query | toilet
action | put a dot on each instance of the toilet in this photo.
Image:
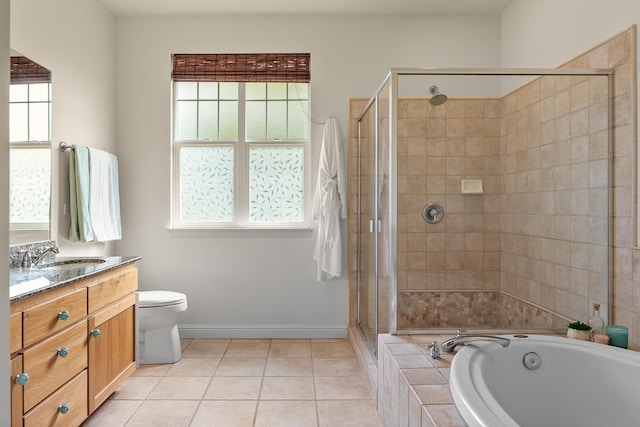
(158, 339)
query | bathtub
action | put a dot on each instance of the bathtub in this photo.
(572, 383)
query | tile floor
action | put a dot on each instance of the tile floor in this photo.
(247, 382)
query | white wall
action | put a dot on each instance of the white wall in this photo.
(547, 33)
(75, 39)
(5, 418)
(240, 282)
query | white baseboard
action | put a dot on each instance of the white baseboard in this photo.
(261, 331)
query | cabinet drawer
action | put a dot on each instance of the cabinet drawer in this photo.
(104, 293)
(15, 327)
(49, 413)
(46, 367)
(43, 320)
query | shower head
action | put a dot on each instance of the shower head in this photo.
(437, 98)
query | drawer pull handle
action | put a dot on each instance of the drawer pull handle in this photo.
(21, 379)
(95, 333)
(63, 315)
(63, 352)
(64, 408)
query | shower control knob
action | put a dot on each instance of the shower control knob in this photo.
(433, 213)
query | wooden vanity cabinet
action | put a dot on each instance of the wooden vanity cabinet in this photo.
(112, 349)
(76, 343)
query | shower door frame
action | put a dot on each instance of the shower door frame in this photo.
(392, 78)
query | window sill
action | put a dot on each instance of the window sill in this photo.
(302, 231)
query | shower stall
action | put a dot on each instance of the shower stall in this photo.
(483, 200)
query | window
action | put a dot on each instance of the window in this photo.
(30, 145)
(240, 150)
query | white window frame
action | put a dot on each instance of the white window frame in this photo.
(30, 143)
(241, 174)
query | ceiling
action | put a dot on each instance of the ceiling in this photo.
(327, 7)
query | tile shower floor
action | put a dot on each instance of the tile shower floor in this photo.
(246, 382)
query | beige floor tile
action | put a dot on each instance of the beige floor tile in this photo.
(292, 388)
(341, 388)
(205, 348)
(288, 367)
(332, 349)
(225, 414)
(184, 342)
(290, 349)
(335, 367)
(164, 413)
(348, 413)
(113, 413)
(194, 367)
(136, 388)
(180, 388)
(152, 370)
(239, 388)
(248, 348)
(286, 414)
(241, 367)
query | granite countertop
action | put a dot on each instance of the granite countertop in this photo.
(25, 282)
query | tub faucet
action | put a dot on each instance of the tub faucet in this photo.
(434, 351)
(449, 345)
(53, 249)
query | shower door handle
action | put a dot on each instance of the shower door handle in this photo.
(372, 225)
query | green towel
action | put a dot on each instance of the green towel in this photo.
(80, 229)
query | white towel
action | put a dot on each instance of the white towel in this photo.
(104, 196)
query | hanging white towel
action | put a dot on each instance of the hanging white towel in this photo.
(104, 196)
(329, 203)
(94, 196)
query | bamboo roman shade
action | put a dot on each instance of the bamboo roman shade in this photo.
(242, 67)
(24, 70)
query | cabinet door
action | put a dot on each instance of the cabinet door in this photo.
(16, 392)
(111, 349)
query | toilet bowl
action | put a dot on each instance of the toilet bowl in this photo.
(158, 338)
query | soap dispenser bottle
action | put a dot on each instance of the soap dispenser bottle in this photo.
(597, 326)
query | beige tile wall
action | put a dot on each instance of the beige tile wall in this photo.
(537, 231)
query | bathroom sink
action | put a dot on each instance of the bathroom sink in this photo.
(71, 263)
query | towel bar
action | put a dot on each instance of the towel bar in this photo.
(64, 146)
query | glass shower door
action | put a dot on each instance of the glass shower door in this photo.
(367, 286)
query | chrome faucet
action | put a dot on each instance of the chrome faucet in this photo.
(53, 249)
(449, 345)
(434, 351)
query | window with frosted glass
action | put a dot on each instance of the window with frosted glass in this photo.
(206, 184)
(276, 182)
(240, 151)
(30, 185)
(30, 154)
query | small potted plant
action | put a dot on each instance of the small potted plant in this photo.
(579, 331)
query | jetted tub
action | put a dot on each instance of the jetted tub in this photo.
(569, 383)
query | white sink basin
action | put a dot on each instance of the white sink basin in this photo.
(71, 263)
